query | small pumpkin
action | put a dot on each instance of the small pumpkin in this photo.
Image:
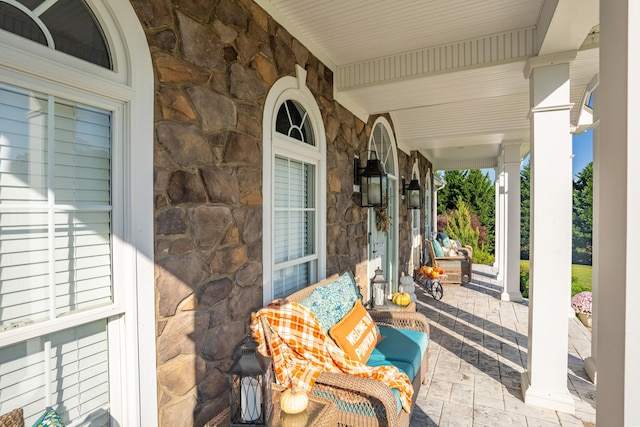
(402, 298)
(293, 401)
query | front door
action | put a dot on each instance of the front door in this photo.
(383, 223)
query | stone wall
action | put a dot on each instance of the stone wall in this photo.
(214, 62)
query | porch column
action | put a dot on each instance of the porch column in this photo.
(500, 215)
(618, 225)
(511, 220)
(544, 383)
(590, 363)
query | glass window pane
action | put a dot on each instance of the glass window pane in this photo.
(71, 365)
(55, 208)
(291, 279)
(69, 23)
(17, 22)
(292, 120)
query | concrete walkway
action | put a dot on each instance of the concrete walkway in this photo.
(478, 350)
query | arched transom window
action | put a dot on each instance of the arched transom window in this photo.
(68, 26)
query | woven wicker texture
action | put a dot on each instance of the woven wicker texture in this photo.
(14, 418)
(365, 402)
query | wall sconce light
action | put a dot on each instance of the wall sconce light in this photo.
(250, 381)
(411, 193)
(372, 181)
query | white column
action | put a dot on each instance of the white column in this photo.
(544, 383)
(511, 249)
(618, 385)
(590, 363)
(500, 216)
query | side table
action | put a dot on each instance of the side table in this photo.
(389, 306)
(320, 412)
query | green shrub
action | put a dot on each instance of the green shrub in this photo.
(480, 256)
(524, 279)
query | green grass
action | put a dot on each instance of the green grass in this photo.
(580, 278)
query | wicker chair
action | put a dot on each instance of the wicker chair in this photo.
(457, 269)
(14, 418)
(364, 402)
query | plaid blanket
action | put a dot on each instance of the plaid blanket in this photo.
(302, 350)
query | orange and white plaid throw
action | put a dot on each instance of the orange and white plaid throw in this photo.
(301, 350)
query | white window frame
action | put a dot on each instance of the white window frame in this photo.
(127, 91)
(292, 88)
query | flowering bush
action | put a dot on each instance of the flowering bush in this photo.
(581, 302)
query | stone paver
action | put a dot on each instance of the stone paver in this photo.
(478, 350)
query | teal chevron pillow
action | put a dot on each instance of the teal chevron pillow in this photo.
(50, 418)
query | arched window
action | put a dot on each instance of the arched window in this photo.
(293, 189)
(76, 263)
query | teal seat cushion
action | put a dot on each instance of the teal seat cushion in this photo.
(331, 302)
(400, 345)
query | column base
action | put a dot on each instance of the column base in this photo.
(558, 401)
(511, 296)
(591, 368)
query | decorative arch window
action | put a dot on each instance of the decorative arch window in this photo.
(77, 279)
(294, 189)
(381, 144)
(68, 26)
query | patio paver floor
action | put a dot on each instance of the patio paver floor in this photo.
(477, 351)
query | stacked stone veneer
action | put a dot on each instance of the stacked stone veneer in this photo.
(214, 62)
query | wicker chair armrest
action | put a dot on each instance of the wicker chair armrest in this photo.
(359, 392)
(401, 319)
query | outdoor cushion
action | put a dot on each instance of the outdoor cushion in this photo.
(400, 345)
(331, 302)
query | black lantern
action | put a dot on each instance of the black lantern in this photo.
(411, 193)
(250, 380)
(372, 181)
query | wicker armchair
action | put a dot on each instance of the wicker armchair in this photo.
(12, 419)
(364, 402)
(456, 268)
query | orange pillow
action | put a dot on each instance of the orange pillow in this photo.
(355, 333)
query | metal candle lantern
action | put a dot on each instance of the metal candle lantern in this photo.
(379, 288)
(250, 379)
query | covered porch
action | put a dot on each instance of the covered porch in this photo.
(477, 353)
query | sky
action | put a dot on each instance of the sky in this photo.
(582, 154)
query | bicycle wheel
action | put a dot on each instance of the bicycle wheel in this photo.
(437, 291)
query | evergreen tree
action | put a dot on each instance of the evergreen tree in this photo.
(583, 216)
(525, 201)
(478, 192)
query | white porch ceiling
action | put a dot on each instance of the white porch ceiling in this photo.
(449, 72)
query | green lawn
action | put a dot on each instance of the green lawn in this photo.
(580, 277)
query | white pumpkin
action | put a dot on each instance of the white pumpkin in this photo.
(293, 402)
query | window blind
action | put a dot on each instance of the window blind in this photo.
(294, 223)
(55, 207)
(67, 370)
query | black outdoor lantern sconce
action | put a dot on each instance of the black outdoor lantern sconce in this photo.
(411, 193)
(372, 181)
(250, 381)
